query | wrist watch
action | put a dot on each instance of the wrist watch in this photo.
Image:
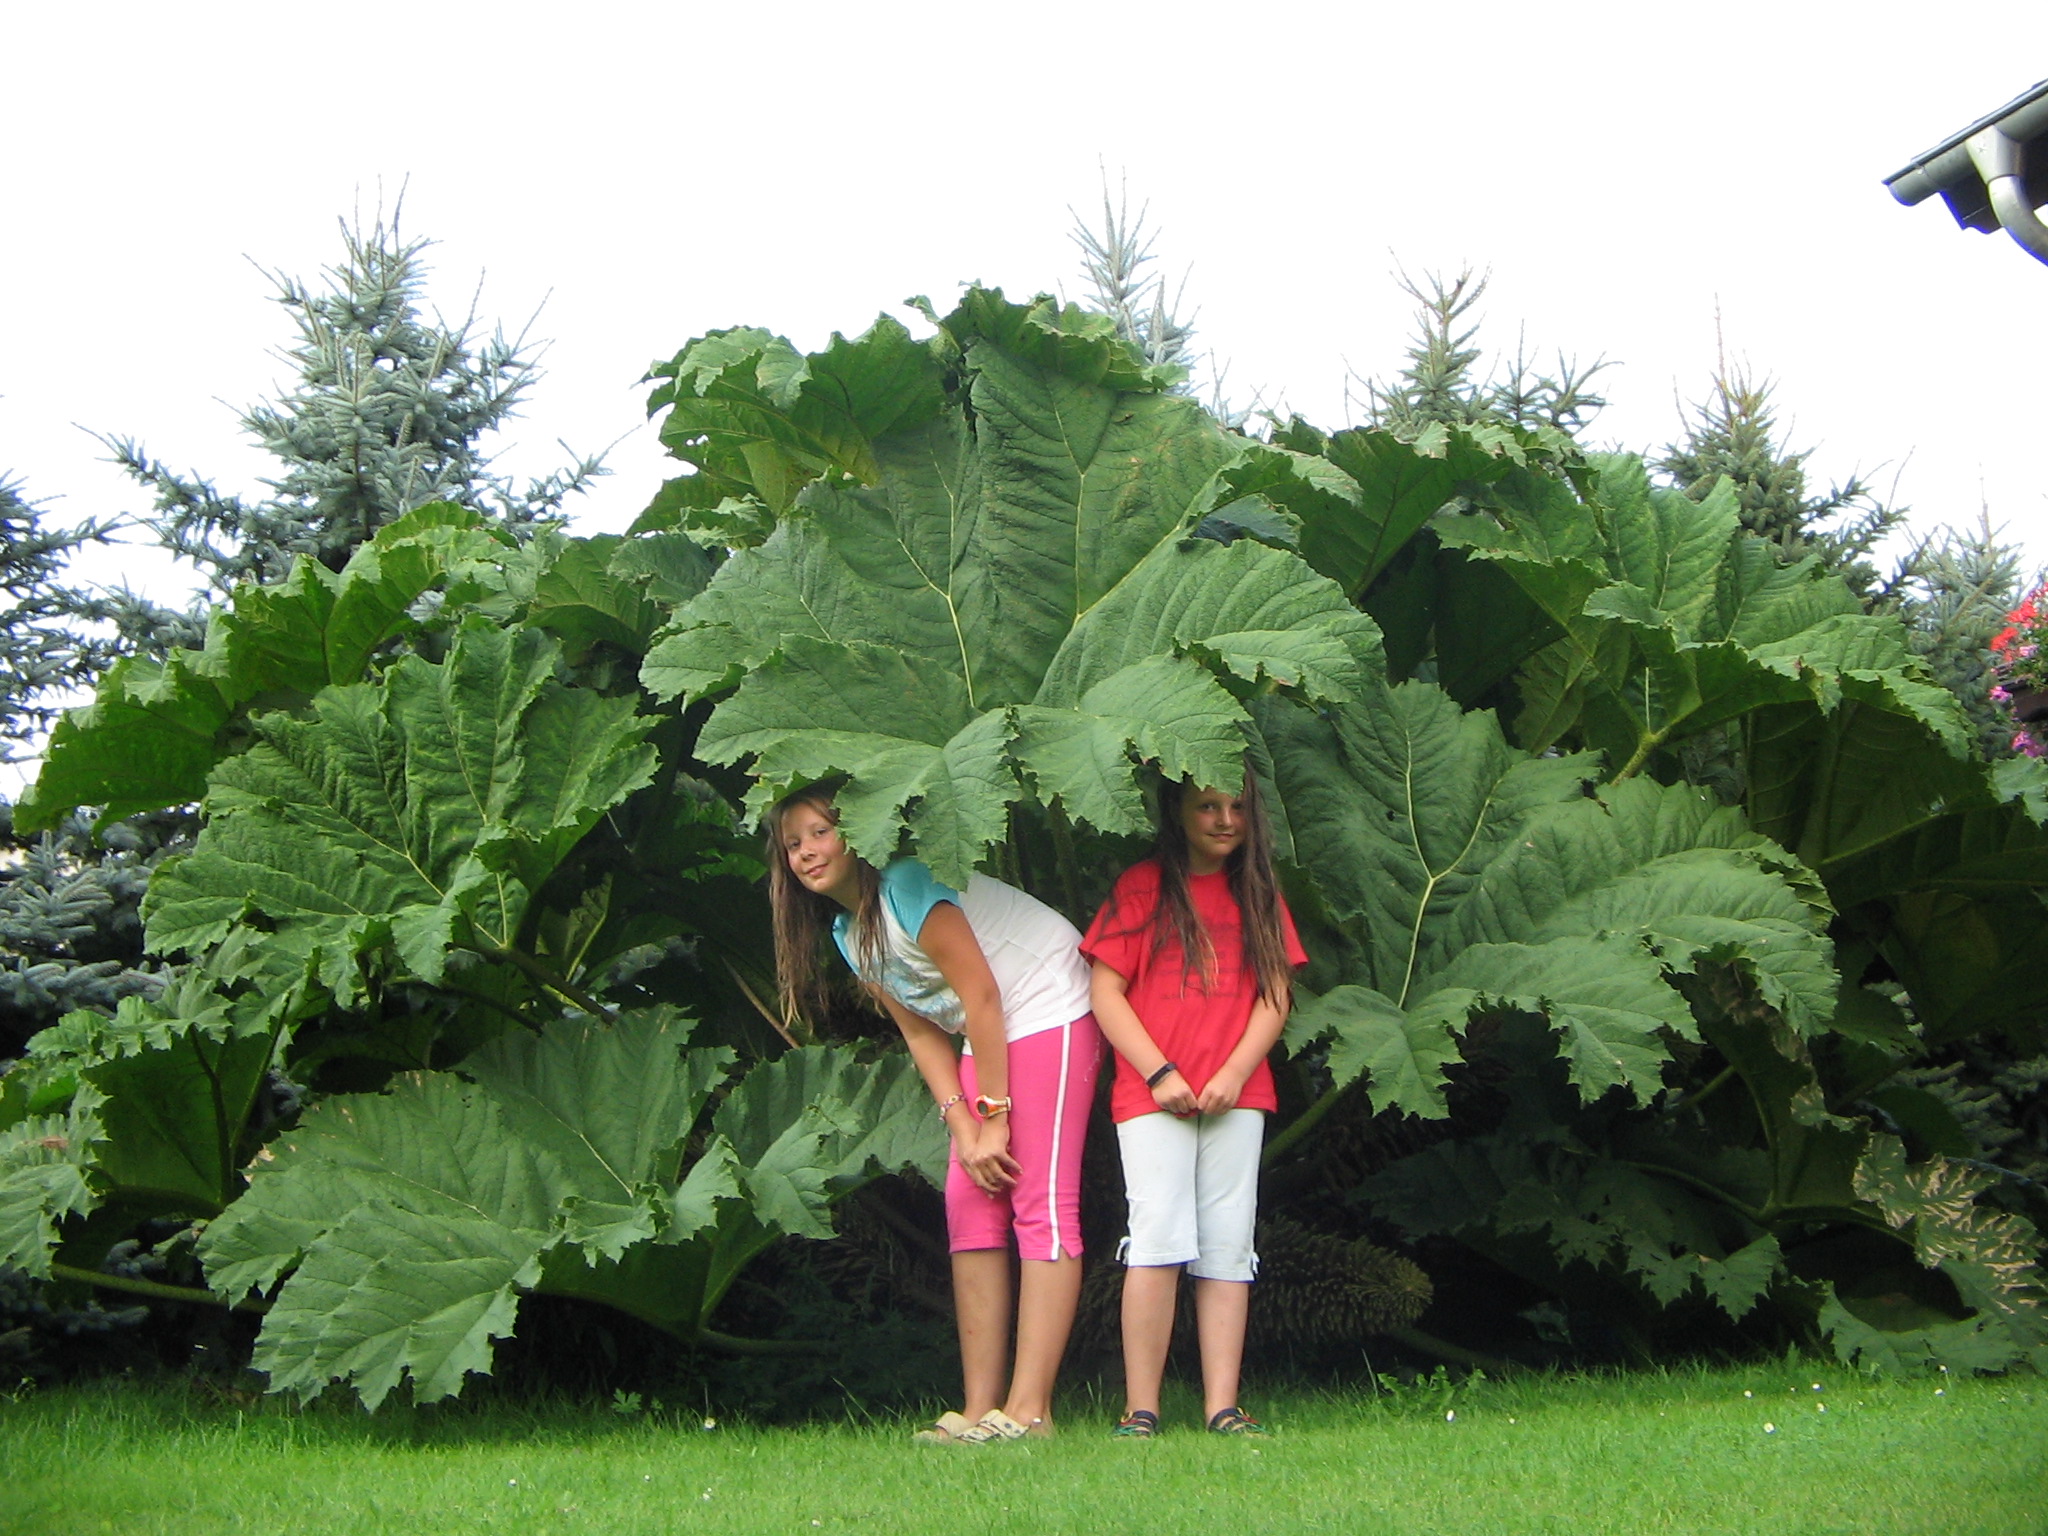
(985, 1106)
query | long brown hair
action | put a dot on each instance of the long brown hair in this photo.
(1253, 887)
(803, 917)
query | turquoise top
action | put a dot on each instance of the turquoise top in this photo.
(909, 892)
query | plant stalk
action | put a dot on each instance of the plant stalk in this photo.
(1302, 1125)
(731, 1344)
(560, 985)
(1650, 742)
(155, 1289)
(1710, 1087)
(759, 1006)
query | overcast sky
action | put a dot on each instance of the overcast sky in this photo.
(642, 173)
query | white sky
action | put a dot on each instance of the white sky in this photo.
(654, 171)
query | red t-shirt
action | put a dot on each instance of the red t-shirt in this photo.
(1196, 1027)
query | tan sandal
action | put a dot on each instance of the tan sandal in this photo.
(946, 1429)
(998, 1428)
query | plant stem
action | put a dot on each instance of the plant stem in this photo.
(1302, 1125)
(733, 1345)
(1650, 742)
(559, 985)
(155, 1288)
(759, 1006)
(491, 1002)
(1712, 1084)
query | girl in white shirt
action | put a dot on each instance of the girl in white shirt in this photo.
(1005, 971)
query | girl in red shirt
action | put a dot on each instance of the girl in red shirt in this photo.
(1193, 957)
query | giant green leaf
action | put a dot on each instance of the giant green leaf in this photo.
(1361, 494)
(999, 578)
(411, 1220)
(1952, 897)
(803, 1130)
(407, 1225)
(1675, 621)
(175, 1111)
(610, 1106)
(44, 1162)
(419, 813)
(155, 728)
(753, 413)
(147, 1109)
(1477, 878)
(585, 597)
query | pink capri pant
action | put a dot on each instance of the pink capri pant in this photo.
(1052, 1086)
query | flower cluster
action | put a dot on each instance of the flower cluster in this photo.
(2019, 664)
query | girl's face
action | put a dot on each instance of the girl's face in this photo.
(818, 855)
(1213, 822)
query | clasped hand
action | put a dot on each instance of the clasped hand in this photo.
(984, 1151)
(1174, 1094)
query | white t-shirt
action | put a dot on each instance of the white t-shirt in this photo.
(1034, 953)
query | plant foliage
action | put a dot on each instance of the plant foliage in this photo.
(1646, 873)
(990, 589)
(412, 1221)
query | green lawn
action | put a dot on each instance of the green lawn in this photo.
(1683, 1451)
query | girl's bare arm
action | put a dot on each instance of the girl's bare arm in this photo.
(937, 1063)
(1127, 1036)
(950, 941)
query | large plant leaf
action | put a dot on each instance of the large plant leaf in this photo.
(389, 1293)
(1937, 861)
(406, 1225)
(611, 1108)
(1989, 1254)
(156, 728)
(882, 1113)
(755, 416)
(145, 1110)
(410, 1220)
(613, 591)
(1361, 494)
(1001, 577)
(44, 1162)
(1479, 878)
(421, 812)
(801, 1131)
(174, 1114)
(1675, 621)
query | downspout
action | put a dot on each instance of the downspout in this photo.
(1998, 161)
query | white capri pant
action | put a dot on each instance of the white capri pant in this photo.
(1193, 1188)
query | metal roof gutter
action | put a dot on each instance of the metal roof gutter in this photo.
(1986, 175)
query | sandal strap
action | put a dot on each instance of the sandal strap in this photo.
(1235, 1421)
(1138, 1424)
(994, 1426)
